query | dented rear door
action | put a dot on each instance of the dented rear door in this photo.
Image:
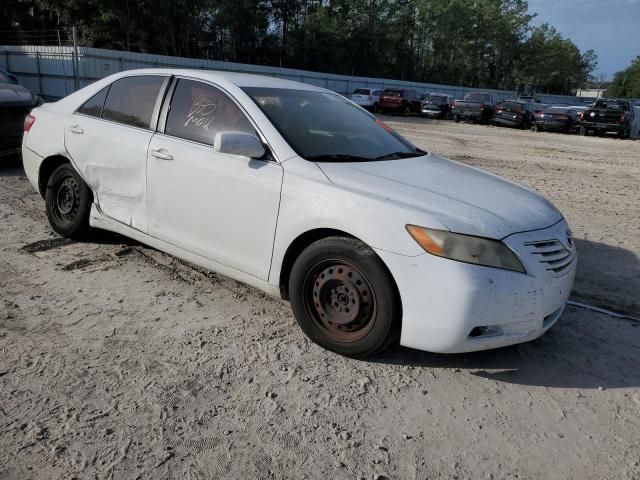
(110, 147)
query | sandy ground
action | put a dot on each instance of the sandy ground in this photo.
(119, 362)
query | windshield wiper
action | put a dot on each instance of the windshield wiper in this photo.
(394, 155)
(338, 157)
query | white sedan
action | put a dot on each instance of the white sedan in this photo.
(299, 192)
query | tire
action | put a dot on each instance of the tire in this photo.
(344, 298)
(456, 118)
(68, 203)
(406, 111)
(375, 108)
(623, 135)
(536, 128)
(582, 131)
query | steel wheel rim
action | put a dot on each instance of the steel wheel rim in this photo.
(66, 201)
(340, 300)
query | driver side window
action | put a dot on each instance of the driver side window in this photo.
(199, 111)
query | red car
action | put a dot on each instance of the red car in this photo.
(399, 101)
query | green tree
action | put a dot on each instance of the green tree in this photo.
(476, 43)
(553, 63)
(626, 83)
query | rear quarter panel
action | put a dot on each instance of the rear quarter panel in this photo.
(46, 137)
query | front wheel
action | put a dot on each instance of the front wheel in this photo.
(456, 118)
(68, 202)
(344, 298)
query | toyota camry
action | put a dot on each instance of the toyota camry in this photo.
(301, 193)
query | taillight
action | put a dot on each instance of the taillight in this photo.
(622, 118)
(581, 116)
(28, 122)
(482, 106)
(453, 104)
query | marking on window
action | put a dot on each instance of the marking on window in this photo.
(201, 113)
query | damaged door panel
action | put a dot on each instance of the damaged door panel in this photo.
(108, 137)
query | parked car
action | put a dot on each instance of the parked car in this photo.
(435, 105)
(294, 190)
(367, 98)
(15, 104)
(401, 101)
(515, 113)
(8, 77)
(476, 106)
(608, 116)
(557, 119)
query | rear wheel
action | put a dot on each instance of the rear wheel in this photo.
(68, 203)
(344, 298)
(375, 108)
(456, 118)
(582, 131)
(406, 111)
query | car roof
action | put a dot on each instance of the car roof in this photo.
(218, 76)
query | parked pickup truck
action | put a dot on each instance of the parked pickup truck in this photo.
(477, 106)
(608, 116)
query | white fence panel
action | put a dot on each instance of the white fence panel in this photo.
(49, 70)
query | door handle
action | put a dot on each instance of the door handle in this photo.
(162, 154)
(76, 129)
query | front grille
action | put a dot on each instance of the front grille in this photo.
(555, 257)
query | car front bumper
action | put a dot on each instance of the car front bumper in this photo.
(452, 307)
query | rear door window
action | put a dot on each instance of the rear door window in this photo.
(131, 100)
(93, 106)
(199, 111)
(361, 91)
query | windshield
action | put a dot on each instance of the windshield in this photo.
(477, 97)
(511, 106)
(326, 127)
(557, 110)
(392, 93)
(610, 104)
(435, 99)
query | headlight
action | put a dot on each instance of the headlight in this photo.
(466, 248)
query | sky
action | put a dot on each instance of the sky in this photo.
(610, 27)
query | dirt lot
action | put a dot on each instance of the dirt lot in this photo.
(117, 361)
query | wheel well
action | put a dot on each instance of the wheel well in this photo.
(296, 248)
(47, 167)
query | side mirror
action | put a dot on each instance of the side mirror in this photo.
(238, 143)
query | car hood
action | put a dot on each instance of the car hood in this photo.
(463, 198)
(16, 96)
